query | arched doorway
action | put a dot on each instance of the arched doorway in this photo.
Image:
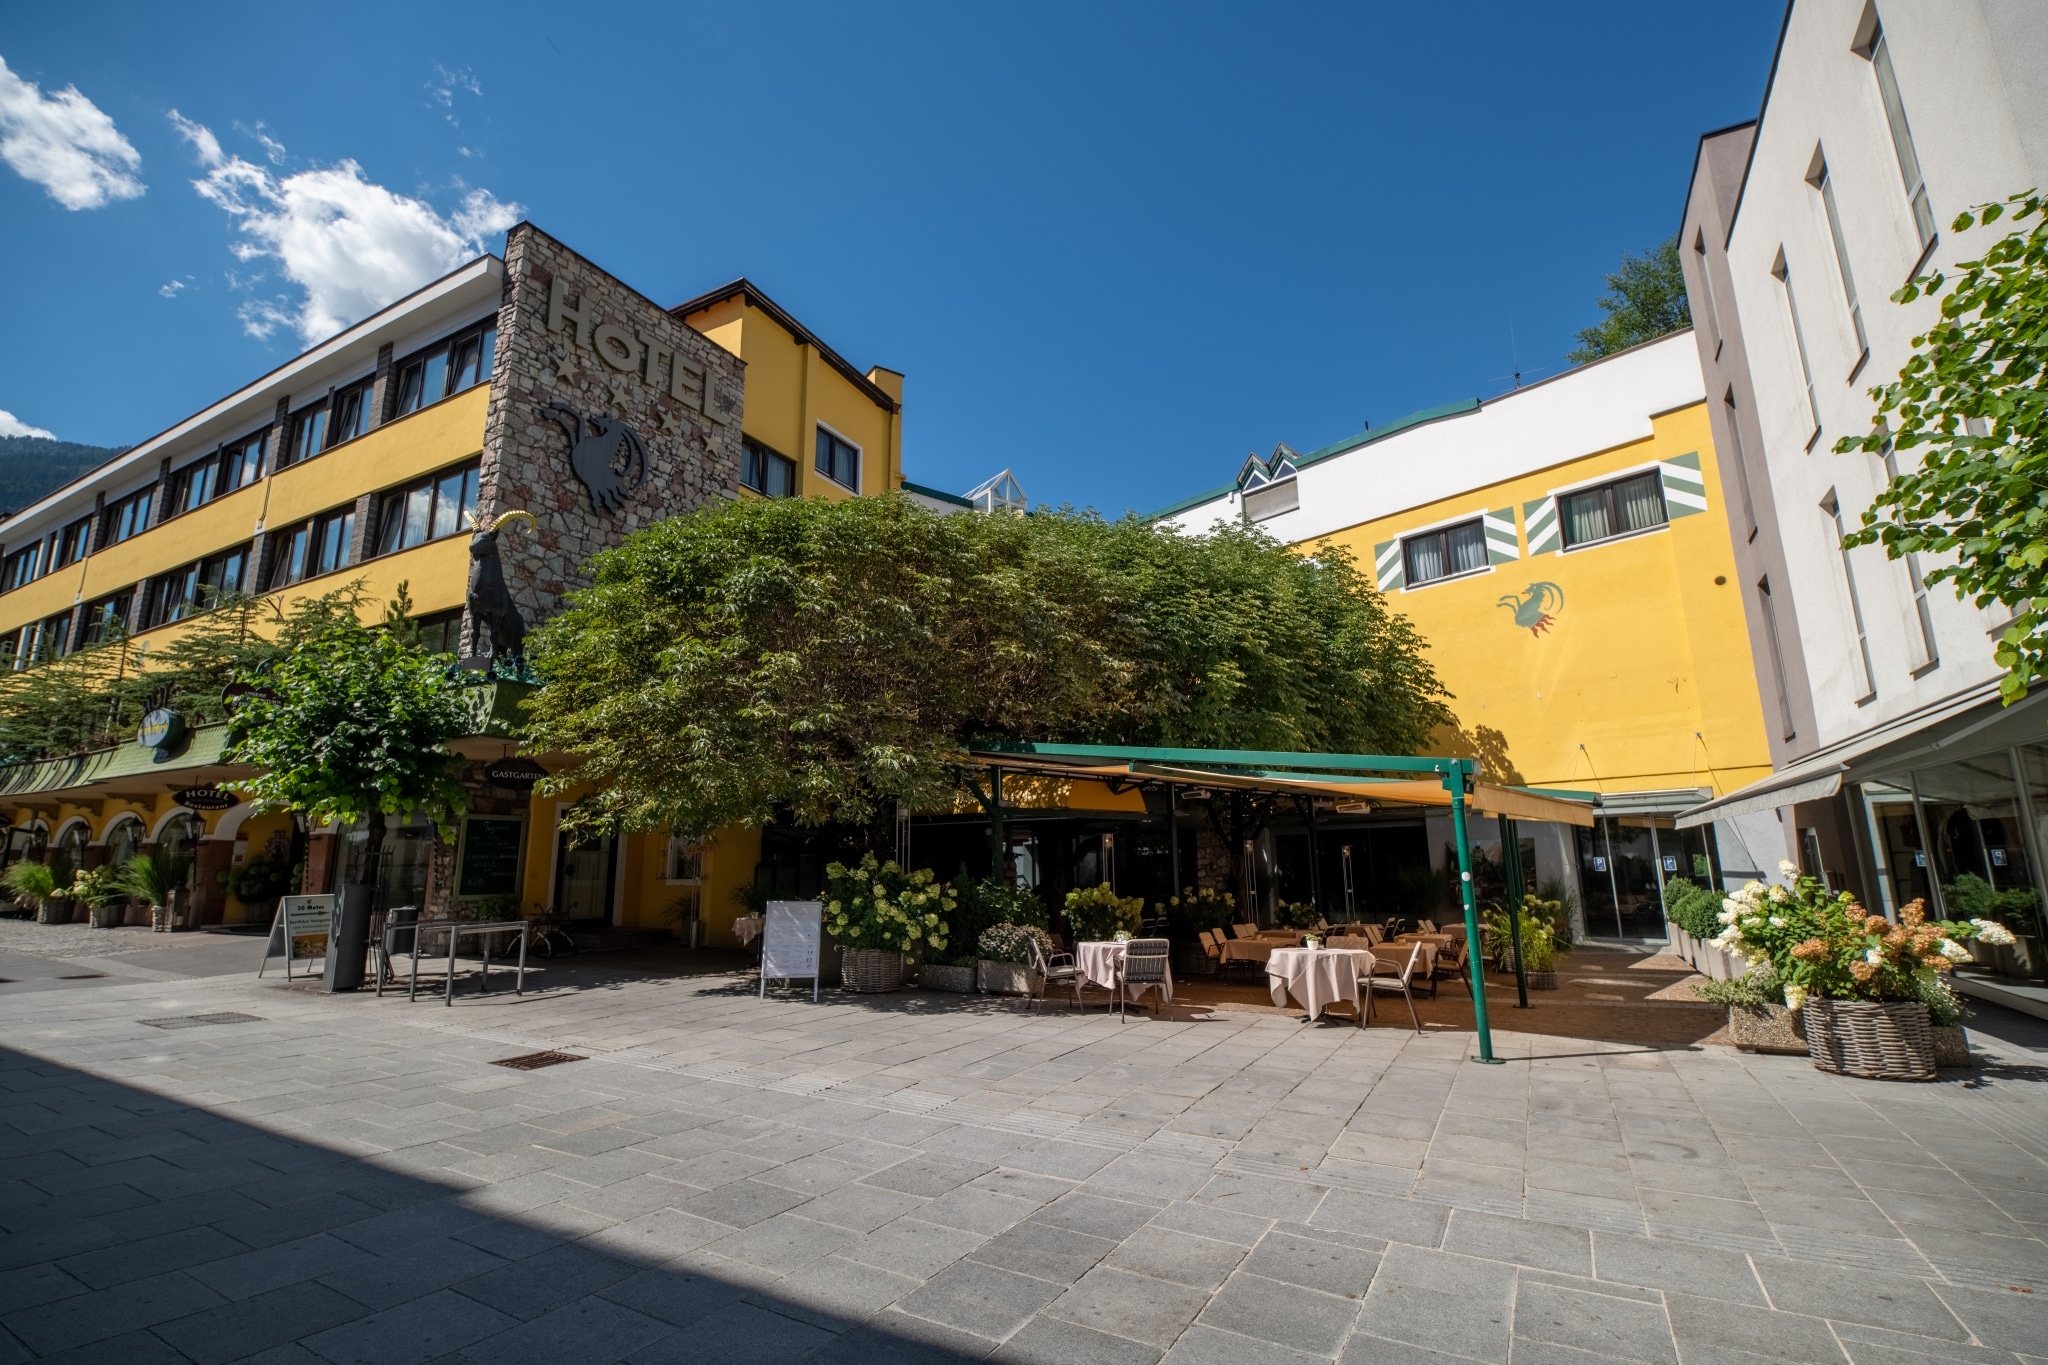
(178, 840)
(67, 854)
(124, 840)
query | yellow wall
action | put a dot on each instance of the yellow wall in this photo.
(1642, 681)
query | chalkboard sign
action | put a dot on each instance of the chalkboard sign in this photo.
(490, 856)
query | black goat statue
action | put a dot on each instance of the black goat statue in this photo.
(493, 615)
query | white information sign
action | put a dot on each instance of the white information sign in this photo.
(791, 939)
(300, 930)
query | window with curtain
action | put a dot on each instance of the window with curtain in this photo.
(23, 566)
(1613, 509)
(838, 460)
(128, 517)
(767, 473)
(1444, 553)
(71, 543)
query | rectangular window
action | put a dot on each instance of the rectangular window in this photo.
(333, 535)
(40, 641)
(309, 435)
(1445, 553)
(1827, 198)
(1770, 615)
(169, 597)
(23, 566)
(192, 486)
(106, 618)
(311, 548)
(352, 414)
(127, 518)
(769, 474)
(1930, 650)
(446, 368)
(838, 461)
(1699, 251)
(288, 555)
(1832, 508)
(72, 542)
(441, 506)
(441, 632)
(1614, 509)
(241, 464)
(1902, 137)
(1783, 272)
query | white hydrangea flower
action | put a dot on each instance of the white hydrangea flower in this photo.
(1872, 955)
(1779, 893)
(1728, 912)
(1789, 868)
(1777, 921)
(1954, 951)
(1991, 931)
(1795, 996)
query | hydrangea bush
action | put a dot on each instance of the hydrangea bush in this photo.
(1098, 913)
(879, 905)
(1826, 945)
(1012, 942)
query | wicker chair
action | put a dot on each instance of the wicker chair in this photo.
(1144, 966)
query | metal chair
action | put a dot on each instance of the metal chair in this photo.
(1144, 966)
(1242, 930)
(1056, 969)
(1451, 966)
(1373, 980)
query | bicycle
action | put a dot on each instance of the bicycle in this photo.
(546, 937)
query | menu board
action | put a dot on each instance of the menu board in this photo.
(490, 862)
(300, 930)
(791, 937)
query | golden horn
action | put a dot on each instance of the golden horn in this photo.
(499, 523)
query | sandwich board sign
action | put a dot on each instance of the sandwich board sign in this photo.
(300, 930)
(791, 937)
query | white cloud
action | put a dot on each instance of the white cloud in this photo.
(171, 289)
(350, 244)
(446, 83)
(10, 425)
(205, 145)
(65, 143)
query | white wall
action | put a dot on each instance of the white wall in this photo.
(1825, 98)
(1589, 409)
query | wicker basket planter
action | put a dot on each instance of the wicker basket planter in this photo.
(54, 912)
(1768, 1028)
(107, 916)
(935, 977)
(1005, 978)
(871, 970)
(1883, 1040)
(1541, 981)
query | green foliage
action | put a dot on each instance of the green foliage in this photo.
(31, 884)
(1296, 914)
(152, 877)
(1971, 408)
(1693, 908)
(1418, 892)
(351, 723)
(258, 879)
(1566, 898)
(1974, 898)
(979, 906)
(31, 466)
(750, 899)
(1189, 913)
(1539, 944)
(832, 657)
(879, 905)
(1098, 913)
(97, 886)
(1012, 942)
(1645, 300)
(1945, 1009)
(1756, 987)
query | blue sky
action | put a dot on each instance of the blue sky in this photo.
(1112, 247)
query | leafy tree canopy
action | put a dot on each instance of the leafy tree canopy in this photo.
(1971, 408)
(832, 657)
(1645, 299)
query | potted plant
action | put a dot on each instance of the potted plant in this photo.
(100, 891)
(878, 913)
(1537, 919)
(34, 887)
(152, 878)
(1098, 914)
(1863, 982)
(1005, 967)
(1187, 916)
(961, 975)
(258, 883)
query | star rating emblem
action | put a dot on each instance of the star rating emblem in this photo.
(565, 370)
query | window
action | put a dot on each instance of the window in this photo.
(72, 542)
(838, 461)
(1615, 509)
(1441, 554)
(1826, 185)
(126, 518)
(194, 588)
(311, 548)
(1738, 459)
(351, 408)
(447, 368)
(1272, 500)
(1783, 271)
(1831, 507)
(106, 618)
(40, 641)
(1699, 250)
(683, 860)
(241, 464)
(442, 506)
(23, 566)
(441, 632)
(769, 474)
(1770, 616)
(308, 435)
(192, 486)
(1902, 136)
(1930, 649)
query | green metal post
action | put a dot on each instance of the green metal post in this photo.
(1454, 782)
(1173, 833)
(996, 847)
(1511, 873)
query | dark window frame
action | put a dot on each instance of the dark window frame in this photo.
(831, 447)
(1610, 489)
(199, 586)
(118, 513)
(441, 631)
(13, 576)
(409, 377)
(1442, 535)
(353, 401)
(74, 542)
(766, 467)
(93, 621)
(391, 506)
(282, 570)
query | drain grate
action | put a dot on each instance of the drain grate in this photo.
(202, 1020)
(534, 1061)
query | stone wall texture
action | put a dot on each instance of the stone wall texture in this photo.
(615, 355)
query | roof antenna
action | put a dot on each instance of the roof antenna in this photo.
(1514, 356)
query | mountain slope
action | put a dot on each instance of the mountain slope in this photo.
(31, 466)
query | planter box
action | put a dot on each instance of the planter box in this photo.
(871, 970)
(1767, 1028)
(107, 916)
(1951, 1045)
(1006, 978)
(1541, 981)
(1887, 1040)
(935, 977)
(54, 912)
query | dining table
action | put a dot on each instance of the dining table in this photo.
(747, 928)
(1249, 949)
(1316, 977)
(1100, 959)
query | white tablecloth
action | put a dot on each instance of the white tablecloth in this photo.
(1099, 961)
(746, 929)
(1315, 977)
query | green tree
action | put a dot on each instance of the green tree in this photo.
(351, 722)
(1645, 299)
(1971, 408)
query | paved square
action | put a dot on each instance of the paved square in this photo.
(917, 1179)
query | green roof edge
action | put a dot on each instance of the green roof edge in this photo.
(938, 493)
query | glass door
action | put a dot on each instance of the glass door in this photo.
(585, 877)
(1972, 814)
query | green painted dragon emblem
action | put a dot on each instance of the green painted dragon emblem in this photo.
(1535, 608)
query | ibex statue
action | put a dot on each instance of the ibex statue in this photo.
(491, 608)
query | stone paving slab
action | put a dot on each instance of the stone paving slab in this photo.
(724, 1178)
